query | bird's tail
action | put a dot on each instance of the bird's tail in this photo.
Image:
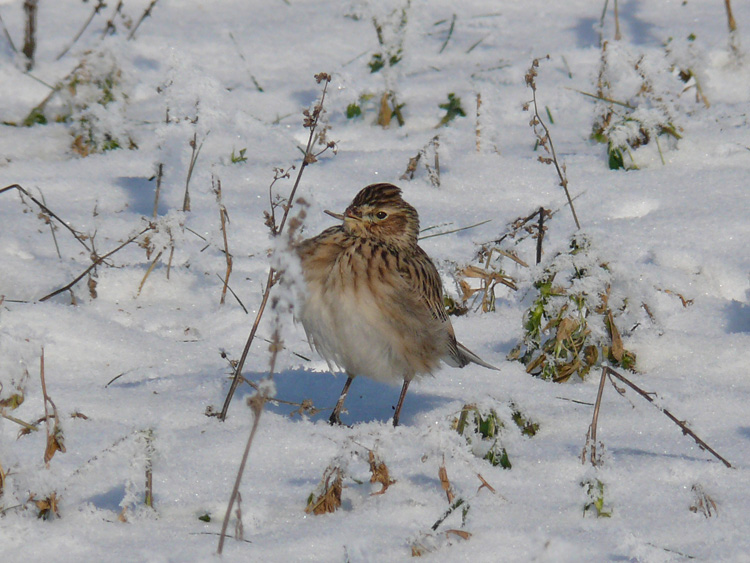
(463, 356)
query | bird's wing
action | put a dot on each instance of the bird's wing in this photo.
(423, 279)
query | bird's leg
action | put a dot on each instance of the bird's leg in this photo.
(340, 403)
(397, 414)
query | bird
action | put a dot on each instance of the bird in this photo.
(373, 303)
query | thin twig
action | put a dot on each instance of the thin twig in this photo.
(311, 121)
(669, 415)
(601, 98)
(450, 34)
(144, 15)
(148, 437)
(234, 294)
(30, 7)
(100, 4)
(224, 218)
(256, 404)
(26, 425)
(148, 273)
(196, 148)
(159, 176)
(244, 60)
(730, 17)
(456, 230)
(618, 35)
(540, 235)
(78, 236)
(478, 128)
(546, 139)
(98, 261)
(111, 21)
(54, 442)
(7, 36)
(591, 435)
(51, 228)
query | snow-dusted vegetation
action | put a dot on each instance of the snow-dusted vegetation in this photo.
(581, 175)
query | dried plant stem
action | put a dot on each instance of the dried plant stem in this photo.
(52, 229)
(100, 4)
(29, 43)
(236, 489)
(80, 237)
(144, 15)
(730, 17)
(608, 371)
(159, 177)
(450, 34)
(7, 36)
(456, 230)
(244, 60)
(196, 148)
(602, 98)
(148, 437)
(546, 140)
(26, 425)
(734, 36)
(520, 224)
(591, 435)
(54, 436)
(239, 301)
(224, 218)
(540, 235)
(97, 261)
(111, 21)
(148, 273)
(169, 262)
(618, 35)
(2, 482)
(309, 158)
(478, 128)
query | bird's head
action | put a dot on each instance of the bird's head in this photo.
(379, 212)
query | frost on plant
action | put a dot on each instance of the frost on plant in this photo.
(390, 30)
(570, 326)
(636, 105)
(688, 62)
(482, 428)
(97, 99)
(595, 503)
(92, 101)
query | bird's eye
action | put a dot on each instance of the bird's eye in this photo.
(381, 215)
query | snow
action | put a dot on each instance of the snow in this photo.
(143, 365)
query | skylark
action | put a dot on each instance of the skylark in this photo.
(374, 301)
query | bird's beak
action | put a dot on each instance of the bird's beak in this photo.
(338, 216)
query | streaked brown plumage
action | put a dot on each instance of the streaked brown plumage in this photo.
(374, 300)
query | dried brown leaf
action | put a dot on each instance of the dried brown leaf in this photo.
(485, 484)
(385, 113)
(330, 500)
(463, 534)
(617, 347)
(13, 402)
(565, 329)
(703, 503)
(55, 443)
(446, 484)
(379, 472)
(48, 507)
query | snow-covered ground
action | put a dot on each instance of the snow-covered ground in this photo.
(133, 365)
